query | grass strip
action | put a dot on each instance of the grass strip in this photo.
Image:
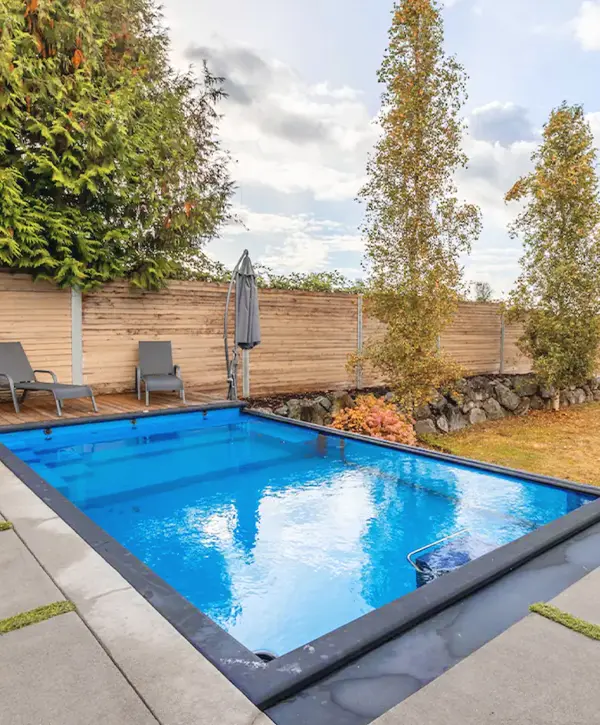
(567, 620)
(34, 616)
(5, 526)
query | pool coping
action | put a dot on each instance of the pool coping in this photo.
(268, 684)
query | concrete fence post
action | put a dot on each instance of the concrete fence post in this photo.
(359, 339)
(502, 333)
(76, 337)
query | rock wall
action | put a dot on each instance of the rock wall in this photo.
(474, 400)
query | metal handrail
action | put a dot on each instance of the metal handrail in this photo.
(434, 543)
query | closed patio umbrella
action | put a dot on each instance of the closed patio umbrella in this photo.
(247, 319)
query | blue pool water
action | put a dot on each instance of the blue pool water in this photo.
(278, 534)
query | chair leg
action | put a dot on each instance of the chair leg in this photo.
(23, 396)
(183, 395)
(94, 406)
(14, 398)
(58, 406)
(147, 397)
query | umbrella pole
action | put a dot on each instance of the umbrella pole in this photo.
(231, 364)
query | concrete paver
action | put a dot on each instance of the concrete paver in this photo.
(151, 651)
(78, 570)
(535, 673)
(23, 583)
(56, 673)
(582, 599)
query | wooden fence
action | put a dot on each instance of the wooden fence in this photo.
(307, 336)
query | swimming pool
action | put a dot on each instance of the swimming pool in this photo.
(277, 532)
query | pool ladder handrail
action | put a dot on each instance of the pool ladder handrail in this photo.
(433, 543)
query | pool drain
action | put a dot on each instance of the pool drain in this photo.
(265, 655)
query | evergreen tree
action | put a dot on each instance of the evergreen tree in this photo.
(557, 295)
(109, 165)
(415, 226)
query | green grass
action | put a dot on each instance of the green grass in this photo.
(5, 526)
(567, 620)
(34, 616)
(565, 444)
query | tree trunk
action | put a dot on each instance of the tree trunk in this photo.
(556, 402)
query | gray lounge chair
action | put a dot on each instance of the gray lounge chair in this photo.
(16, 373)
(156, 370)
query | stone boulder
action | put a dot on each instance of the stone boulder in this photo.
(456, 420)
(525, 386)
(340, 400)
(324, 402)
(537, 403)
(579, 396)
(282, 410)
(506, 397)
(425, 427)
(422, 412)
(312, 412)
(259, 409)
(442, 424)
(547, 392)
(523, 407)
(597, 395)
(438, 403)
(477, 415)
(493, 409)
(294, 407)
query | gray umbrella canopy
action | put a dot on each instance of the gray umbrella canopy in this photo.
(247, 319)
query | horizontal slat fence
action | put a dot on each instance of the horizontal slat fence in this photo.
(38, 315)
(306, 340)
(306, 336)
(189, 314)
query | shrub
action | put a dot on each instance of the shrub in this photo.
(374, 417)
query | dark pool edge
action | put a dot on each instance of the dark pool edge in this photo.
(267, 685)
(64, 422)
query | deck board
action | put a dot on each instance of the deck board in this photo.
(39, 408)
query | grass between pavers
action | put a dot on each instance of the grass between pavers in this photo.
(567, 620)
(33, 616)
(564, 444)
(5, 526)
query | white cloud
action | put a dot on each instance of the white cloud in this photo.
(293, 242)
(586, 25)
(286, 133)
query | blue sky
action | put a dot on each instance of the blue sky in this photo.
(303, 93)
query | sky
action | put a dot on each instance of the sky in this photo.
(303, 94)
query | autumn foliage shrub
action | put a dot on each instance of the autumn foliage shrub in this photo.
(373, 416)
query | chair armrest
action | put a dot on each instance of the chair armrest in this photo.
(177, 371)
(8, 379)
(48, 372)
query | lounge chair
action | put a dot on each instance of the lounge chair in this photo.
(156, 370)
(16, 373)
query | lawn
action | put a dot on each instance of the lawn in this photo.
(565, 444)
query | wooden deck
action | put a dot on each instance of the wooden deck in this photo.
(40, 408)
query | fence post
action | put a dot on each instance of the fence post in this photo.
(359, 339)
(501, 343)
(245, 373)
(76, 337)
